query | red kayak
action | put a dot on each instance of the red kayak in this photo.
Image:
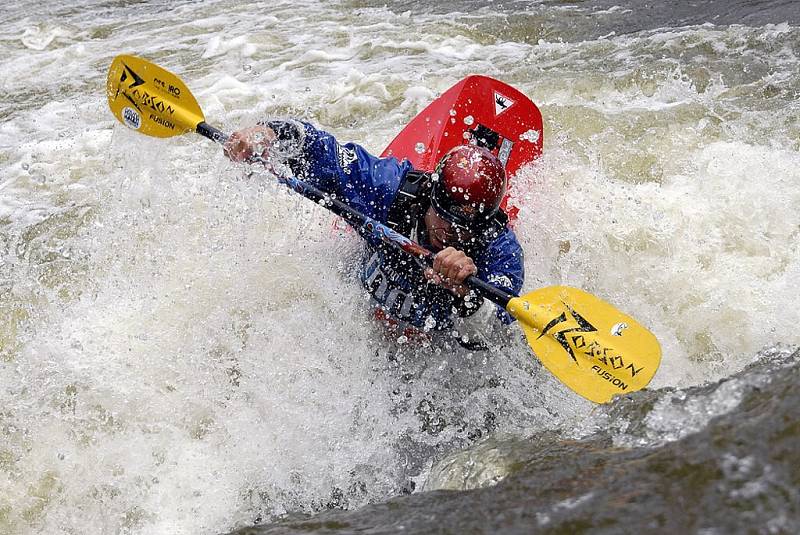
(481, 110)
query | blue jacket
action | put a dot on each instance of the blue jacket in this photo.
(370, 184)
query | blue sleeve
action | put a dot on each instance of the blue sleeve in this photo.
(503, 266)
(365, 182)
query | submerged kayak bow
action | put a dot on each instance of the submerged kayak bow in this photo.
(588, 344)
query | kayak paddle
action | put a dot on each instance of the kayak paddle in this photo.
(589, 345)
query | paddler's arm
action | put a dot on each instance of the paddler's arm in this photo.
(365, 182)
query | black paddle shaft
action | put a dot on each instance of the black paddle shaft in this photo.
(206, 130)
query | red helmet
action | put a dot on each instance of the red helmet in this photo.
(468, 185)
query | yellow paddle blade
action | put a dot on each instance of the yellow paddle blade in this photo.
(150, 99)
(592, 347)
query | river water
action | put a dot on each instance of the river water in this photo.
(184, 347)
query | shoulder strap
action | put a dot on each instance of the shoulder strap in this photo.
(410, 203)
(490, 232)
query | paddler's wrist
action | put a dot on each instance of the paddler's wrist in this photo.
(249, 144)
(461, 290)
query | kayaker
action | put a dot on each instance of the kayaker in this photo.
(454, 212)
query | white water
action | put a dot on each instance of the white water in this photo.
(184, 350)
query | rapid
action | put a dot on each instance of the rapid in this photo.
(185, 346)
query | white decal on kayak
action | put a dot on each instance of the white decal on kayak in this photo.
(346, 157)
(131, 118)
(505, 151)
(501, 103)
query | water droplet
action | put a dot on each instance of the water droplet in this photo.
(26, 166)
(468, 120)
(452, 113)
(419, 148)
(247, 67)
(530, 135)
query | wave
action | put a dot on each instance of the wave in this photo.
(736, 473)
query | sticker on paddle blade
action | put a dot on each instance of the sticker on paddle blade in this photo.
(150, 99)
(131, 118)
(592, 347)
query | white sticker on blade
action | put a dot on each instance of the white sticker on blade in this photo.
(131, 118)
(501, 103)
(617, 329)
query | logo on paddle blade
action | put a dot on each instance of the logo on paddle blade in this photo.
(131, 118)
(610, 378)
(561, 336)
(580, 338)
(133, 79)
(139, 96)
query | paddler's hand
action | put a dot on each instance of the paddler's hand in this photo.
(249, 143)
(451, 268)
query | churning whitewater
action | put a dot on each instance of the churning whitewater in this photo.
(185, 346)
